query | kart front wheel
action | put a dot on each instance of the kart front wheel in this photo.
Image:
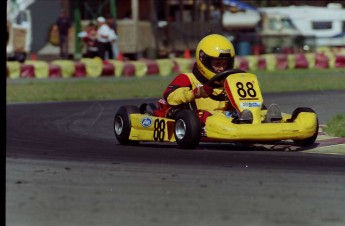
(187, 129)
(310, 140)
(122, 124)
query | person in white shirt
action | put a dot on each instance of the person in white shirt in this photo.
(114, 40)
(105, 35)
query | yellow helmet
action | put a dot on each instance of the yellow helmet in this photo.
(210, 47)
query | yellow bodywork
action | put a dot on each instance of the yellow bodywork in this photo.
(243, 92)
(220, 128)
(155, 131)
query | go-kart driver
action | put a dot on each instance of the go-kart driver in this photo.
(214, 54)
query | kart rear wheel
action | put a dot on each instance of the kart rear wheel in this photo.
(310, 140)
(122, 124)
(187, 129)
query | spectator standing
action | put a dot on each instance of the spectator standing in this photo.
(91, 41)
(63, 23)
(114, 37)
(104, 36)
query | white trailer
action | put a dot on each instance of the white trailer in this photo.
(325, 24)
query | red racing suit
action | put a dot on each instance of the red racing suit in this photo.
(179, 94)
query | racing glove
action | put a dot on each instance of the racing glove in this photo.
(202, 91)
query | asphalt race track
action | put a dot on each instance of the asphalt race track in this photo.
(64, 167)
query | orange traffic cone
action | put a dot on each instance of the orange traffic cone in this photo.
(187, 54)
(33, 56)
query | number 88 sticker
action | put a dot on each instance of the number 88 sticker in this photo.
(242, 92)
(159, 127)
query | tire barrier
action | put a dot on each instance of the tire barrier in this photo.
(55, 71)
(27, 71)
(340, 61)
(67, 67)
(128, 70)
(80, 69)
(95, 67)
(321, 61)
(301, 61)
(108, 69)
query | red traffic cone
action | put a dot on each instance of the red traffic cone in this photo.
(120, 56)
(187, 54)
(33, 56)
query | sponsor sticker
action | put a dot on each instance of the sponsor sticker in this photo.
(250, 105)
(229, 114)
(146, 122)
(224, 50)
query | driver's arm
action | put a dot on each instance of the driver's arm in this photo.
(179, 91)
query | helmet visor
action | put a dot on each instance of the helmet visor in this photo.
(217, 64)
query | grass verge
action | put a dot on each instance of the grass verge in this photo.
(336, 126)
(108, 88)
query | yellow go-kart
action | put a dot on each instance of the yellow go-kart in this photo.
(253, 123)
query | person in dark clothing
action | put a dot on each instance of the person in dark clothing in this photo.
(64, 23)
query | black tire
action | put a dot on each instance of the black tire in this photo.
(122, 124)
(147, 108)
(187, 129)
(310, 140)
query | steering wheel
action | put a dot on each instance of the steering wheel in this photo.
(220, 77)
